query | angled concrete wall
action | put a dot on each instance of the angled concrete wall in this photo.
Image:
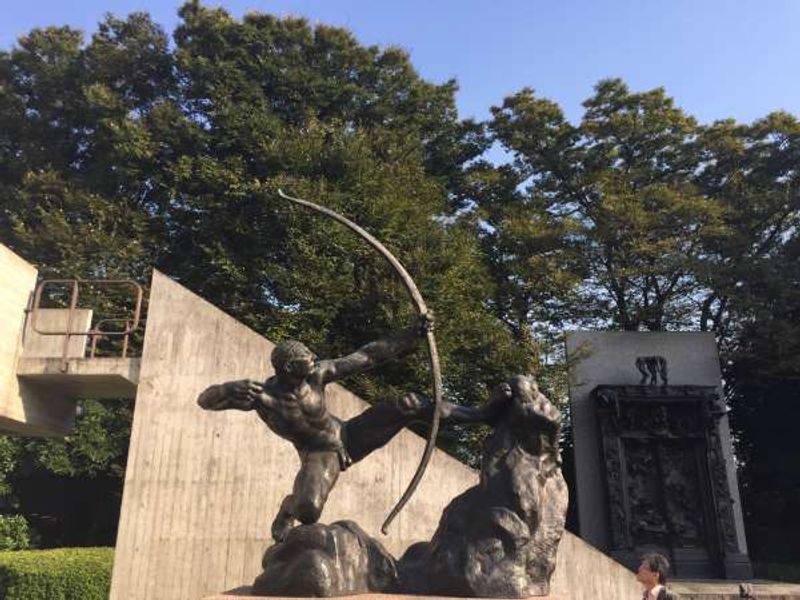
(25, 407)
(201, 488)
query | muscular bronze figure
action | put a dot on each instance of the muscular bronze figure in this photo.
(292, 404)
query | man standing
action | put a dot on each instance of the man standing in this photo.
(652, 574)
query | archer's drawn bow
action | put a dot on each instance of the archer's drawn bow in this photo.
(434, 354)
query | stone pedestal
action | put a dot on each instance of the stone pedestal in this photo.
(688, 590)
(725, 590)
(243, 593)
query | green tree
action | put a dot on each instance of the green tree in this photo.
(601, 222)
(762, 376)
(274, 102)
(66, 199)
(172, 158)
(125, 153)
(751, 170)
(754, 309)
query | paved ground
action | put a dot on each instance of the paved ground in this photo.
(729, 590)
(688, 590)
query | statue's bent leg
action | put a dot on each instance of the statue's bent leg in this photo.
(377, 425)
(284, 520)
(313, 484)
(315, 479)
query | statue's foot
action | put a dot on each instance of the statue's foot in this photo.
(281, 526)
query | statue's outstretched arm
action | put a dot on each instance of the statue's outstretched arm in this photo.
(369, 356)
(237, 395)
(488, 413)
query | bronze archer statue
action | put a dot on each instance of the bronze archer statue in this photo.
(292, 404)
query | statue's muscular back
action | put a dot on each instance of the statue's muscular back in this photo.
(299, 414)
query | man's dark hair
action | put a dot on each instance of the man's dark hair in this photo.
(657, 563)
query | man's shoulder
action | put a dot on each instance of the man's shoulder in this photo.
(270, 384)
(319, 374)
(666, 594)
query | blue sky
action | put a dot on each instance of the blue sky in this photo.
(718, 58)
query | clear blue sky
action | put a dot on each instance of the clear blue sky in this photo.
(718, 58)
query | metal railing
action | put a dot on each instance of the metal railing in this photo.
(98, 332)
(132, 322)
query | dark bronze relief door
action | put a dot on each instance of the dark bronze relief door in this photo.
(661, 493)
(667, 487)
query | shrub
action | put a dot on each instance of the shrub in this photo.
(61, 574)
(14, 533)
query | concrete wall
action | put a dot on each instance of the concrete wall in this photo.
(201, 488)
(584, 573)
(25, 408)
(81, 378)
(53, 320)
(602, 357)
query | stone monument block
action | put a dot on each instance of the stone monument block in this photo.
(653, 455)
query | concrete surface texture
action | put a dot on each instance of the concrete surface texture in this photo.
(82, 378)
(202, 487)
(584, 573)
(597, 358)
(53, 321)
(25, 407)
(42, 364)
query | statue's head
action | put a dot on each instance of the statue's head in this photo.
(524, 387)
(293, 359)
(529, 400)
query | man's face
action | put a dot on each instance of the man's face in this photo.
(302, 365)
(645, 576)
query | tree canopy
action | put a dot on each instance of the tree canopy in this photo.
(128, 151)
